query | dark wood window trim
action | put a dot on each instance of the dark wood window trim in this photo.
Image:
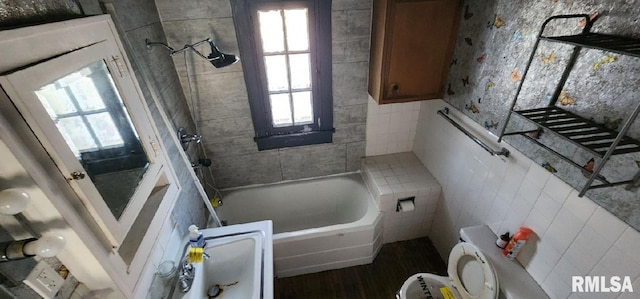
(267, 136)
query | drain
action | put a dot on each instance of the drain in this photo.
(214, 291)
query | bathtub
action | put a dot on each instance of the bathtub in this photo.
(318, 224)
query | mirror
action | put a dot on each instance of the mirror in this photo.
(90, 115)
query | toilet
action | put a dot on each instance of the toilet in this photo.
(474, 268)
(471, 276)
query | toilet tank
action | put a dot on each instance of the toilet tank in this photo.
(515, 282)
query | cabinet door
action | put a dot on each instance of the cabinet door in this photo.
(419, 44)
(84, 108)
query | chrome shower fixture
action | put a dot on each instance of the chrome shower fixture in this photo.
(216, 58)
(185, 138)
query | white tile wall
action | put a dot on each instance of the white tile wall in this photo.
(168, 247)
(391, 128)
(573, 235)
(395, 176)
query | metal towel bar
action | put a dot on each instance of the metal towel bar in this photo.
(503, 152)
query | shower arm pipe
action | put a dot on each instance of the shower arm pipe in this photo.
(186, 47)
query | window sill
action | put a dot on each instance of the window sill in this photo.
(294, 139)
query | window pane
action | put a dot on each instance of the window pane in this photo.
(55, 100)
(302, 107)
(271, 31)
(300, 71)
(280, 109)
(76, 134)
(105, 129)
(276, 68)
(87, 95)
(297, 29)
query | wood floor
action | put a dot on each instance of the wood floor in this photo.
(380, 279)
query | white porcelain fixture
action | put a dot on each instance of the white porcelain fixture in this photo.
(319, 223)
(474, 268)
(515, 281)
(240, 263)
(471, 275)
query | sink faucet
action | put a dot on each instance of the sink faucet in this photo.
(188, 273)
(186, 276)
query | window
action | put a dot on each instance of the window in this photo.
(75, 103)
(286, 57)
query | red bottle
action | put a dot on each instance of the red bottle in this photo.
(517, 241)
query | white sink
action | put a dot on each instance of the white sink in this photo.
(240, 263)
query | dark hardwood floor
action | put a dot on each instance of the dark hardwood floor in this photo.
(380, 279)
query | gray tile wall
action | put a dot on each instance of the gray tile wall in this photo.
(224, 117)
(158, 77)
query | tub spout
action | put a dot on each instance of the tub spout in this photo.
(201, 163)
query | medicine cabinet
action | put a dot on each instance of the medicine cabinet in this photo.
(71, 96)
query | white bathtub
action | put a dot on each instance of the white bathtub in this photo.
(318, 224)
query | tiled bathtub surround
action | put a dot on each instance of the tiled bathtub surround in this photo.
(574, 236)
(220, 94)
(396, 176)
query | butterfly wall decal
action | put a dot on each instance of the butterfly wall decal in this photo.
(514, 75)
(472, 107)
(454, 61)
(489, 85)
(550, 58)
(517, 36)
(467, 14)
(604, 60)
(536, 134)
(592, 17)
(450, 91)
(565, 100)
(465, 81)
(493, 124)
(498, 21)
(468, 41)
(587, 170)
(482, 58)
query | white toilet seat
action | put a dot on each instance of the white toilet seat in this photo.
(471, 273)
(471, 276)
(427, 285)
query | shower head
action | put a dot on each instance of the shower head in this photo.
(219, 59)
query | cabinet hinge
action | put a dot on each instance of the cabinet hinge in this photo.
(122, 69)
(155, 148)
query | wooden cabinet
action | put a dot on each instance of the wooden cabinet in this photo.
(411, 47)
